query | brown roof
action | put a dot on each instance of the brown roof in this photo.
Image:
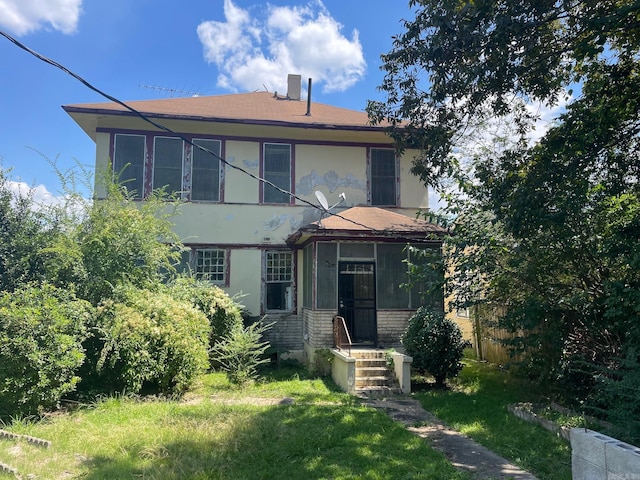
(252, 107)
(369, 222)
(377, 219)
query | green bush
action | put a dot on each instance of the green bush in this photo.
(147, 342)
(41, 334)
(436, 345)
(223, 311)
(242, 352)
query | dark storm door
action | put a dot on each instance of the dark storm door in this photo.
(357, 301)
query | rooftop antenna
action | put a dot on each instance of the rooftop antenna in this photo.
(325, 205)
(172, 91)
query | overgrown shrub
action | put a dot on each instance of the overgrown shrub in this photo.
(242, 352)
(223, 311)
(147, 341)
(41, 334)
(435, 343)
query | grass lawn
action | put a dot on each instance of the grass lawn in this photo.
(476, 405)
(219, 432)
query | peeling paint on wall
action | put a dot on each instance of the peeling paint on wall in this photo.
(251, 164)
(310, 215)
(331, 180)
(276, 222)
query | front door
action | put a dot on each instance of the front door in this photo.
(357, 301)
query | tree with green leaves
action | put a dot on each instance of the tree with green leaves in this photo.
(22, 234)
(116, 241)
(550, 230)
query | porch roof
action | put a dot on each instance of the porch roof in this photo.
(370, 223)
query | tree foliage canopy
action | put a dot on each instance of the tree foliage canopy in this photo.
(460, 61)
(549, 230)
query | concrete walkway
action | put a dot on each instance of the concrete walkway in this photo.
(461, 451)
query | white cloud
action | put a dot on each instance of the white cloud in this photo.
(26, 16)
(43, 198)
(253, 52)
(41, 195)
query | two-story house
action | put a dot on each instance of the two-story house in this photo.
(295, 263)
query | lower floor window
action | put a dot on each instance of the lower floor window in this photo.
(279, 280)
(210, 265)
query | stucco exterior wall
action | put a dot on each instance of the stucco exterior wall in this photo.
(238, 186)
(103, 141)
(413, 193)
(331, 170)
(245, 278)
(234, 224)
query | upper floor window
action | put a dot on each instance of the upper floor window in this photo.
(210, 264)
(205, 171)
(382, 181)
(277, 170)
(191, 173)
(168, 155)
(128, 162)
(279, 280)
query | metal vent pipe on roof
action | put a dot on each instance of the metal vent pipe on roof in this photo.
(309, 99)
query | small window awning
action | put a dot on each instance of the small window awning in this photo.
(368, 224)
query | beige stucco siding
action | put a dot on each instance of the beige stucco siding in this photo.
(331, 170)
(225, 224)
(245, 278)
(103, 142)
(413, 193)
(238, 186)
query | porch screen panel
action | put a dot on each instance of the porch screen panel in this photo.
(428, 292)
(356, 250)
(327, 276)
(392, 272)
(307, 277)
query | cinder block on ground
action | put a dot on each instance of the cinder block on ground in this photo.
(595, 456)
(623, 460)
(584, 470)
(590, 445)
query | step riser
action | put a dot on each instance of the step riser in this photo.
(371, 363)
(370, 382)
(372, 372)
(373, 377)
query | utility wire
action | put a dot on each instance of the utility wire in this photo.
(168, 130)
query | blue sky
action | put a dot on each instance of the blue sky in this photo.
(206, 47)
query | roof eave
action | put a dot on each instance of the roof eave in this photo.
(304, 235)
(70, 109)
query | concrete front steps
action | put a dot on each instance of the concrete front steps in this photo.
(373, 377)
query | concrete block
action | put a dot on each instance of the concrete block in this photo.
(584, 470)
(590, 446)
(623, 460)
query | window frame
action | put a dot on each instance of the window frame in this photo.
(118, 168)
(192, 169)
(224, 270)
(374, 180)
(289, 303)
(265, 174)
(154, 168)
